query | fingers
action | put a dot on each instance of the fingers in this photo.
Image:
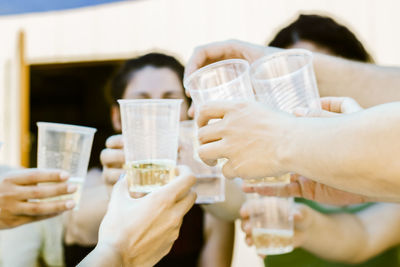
(244, 212)
(291, 190)
(214, 110)
(112, 175)
(21, 220)
(43, 208)
(340, 104)
(114, 158)
(115, 142)
(302, 217)
(229, 170)
(186, 203)
(45, 191)
(180, 186)
(207, 54)
(211, 132)
(211, 152)
(34, 176)
(120, 189)
(304, 112)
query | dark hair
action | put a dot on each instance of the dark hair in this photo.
(121, 79)
(325, 32)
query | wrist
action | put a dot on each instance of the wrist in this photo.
(290, 147)
(109, 254)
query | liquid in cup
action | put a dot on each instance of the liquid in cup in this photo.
(150, 129)
(271, 219)
(65, 147)
(210, 183)
(285, 81)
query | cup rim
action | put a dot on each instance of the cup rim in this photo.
(295, 51)
(148, 101)
(187, 80)
(67, 127)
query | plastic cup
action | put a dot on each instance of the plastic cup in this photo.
(271, 219)
(226, 80)
(65, 147)
(285, 81)
(150, 130)
(223, 80)
(210, 182)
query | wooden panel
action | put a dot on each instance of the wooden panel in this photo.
(24, 101)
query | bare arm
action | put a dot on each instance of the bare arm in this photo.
(354, 238)
(356, 152)
(369, 84)
(219, 236)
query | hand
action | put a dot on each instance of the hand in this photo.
(18, 187)
(142, 231)
(303, 221)
(213, 52)
(306, 188)
(331, 106)
(250, 135)
(112, 158)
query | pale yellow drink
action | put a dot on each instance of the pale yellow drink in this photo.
(146, 175)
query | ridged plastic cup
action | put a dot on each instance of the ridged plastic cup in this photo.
(286, 80)
(65, 147)
(150, 131)
(271, 219)
(221, 81)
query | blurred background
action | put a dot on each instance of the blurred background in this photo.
(56, 56)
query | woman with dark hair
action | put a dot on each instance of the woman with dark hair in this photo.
(203, 239)
(323, 35)
(364, 221)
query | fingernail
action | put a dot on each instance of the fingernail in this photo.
(72, 188)
(300, 112)
(64, 175)
(70, 204)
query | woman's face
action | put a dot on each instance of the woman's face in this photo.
(153, 83)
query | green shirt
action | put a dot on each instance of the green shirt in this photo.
(301, 258)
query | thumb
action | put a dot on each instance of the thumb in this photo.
(305, 112)
(120, 189)
(302, 217)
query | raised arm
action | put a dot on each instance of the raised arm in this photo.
(369, 84)
(354, 238)
(355, 152)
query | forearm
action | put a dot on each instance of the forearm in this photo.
(334, 237)
(356, 153)
(369, 84)
(354, 238)
(218, 247)
(102, 256)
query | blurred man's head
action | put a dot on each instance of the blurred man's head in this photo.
(323, 35)
(152, 76)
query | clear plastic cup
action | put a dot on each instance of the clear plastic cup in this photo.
(223, 80)
(285, 81)
(226, 80)
(210, 183)
(271, 219)
(150, 130)
(65, 147)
